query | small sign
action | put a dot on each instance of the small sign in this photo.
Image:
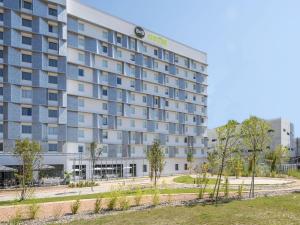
(139, 31)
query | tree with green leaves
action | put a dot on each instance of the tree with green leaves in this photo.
(156, 158)
(190, 159)
(228, 142)
(277, 156)
(212, 161)
(255, 134)
(95, 151)
(29, 153)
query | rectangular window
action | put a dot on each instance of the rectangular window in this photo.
(155, 52)
(52, 28)
(52, 11)
(52, 79)
(26, 58)
(104, 49)
(80, 148)
(52, 96)
(1, 16)
(26, 111)
(1, 109)
(52, 62)
(185, 166)
(26, 93)
(52, 147)
(144, 168)
(26, 40)
(26, 129)
(52, 113)
(81, 42)
(80, 26)
(80, 72)
(26, 75)
(52, 131)
(119, 39)
(53, 45)
(27, 5)
(1, 127)
(104, 121)
(1, 35)
(104, 92)
(26, 22)
(176, 167)
(119, 80)
(1, 147)
(1, 53)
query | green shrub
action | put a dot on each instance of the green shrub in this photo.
(16, 219)
(113, 200)
(98, 204)
(124, 203)
(75, 207)
(138, 197)
(33, 211)
(155, 198)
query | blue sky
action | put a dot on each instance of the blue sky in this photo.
(253, 50)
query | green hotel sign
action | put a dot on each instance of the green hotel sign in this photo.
(157, 39)
(139, 31)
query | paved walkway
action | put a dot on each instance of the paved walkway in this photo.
(105, 186)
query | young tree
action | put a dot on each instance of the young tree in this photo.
(156, 160)
(212, 161)
(190, 159)
(95, 151)
(29, 153)
(276, 157)
(228, 140)
(256, 139)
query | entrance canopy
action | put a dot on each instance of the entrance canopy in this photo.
(7, 169)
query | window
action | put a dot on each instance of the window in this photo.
(81, 102)
(167, 103)
(1, 35)
(104, 92)
(1, 53)
(53, 113)
(1, 91)
(104, 121)
(1, 127)
(26, 129)
(27, 93)
(52, 62)
(176, 167)
(104, 63)
(105, 35)
(104, 49)
(119, 80)
(52, 28)
(81, 133)
(26, 75)
(53, 45)
(105, 135)
(52, 11)
(155, 52)
(26, 111)
(185, 166)
(80, 72)
(132, 57)
(26, 40)
(81, 87)
(119, 68)
(1, 147)
(119, 39)
(144, 99)
(26, 58)
(1, 16)
(119, 54)
(27, 5)
(1, 109)
(132, 83)
(52, 147)
(144, 168)
(80, 148)
(81, 118)
(26, 22)
(80, 26)
(52, 96)
(52, 79)
(52, 131)
(166, 68)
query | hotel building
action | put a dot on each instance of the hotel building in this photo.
(71, 75)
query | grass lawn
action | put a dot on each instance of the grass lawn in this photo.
(262, 211)
(190, 180)
(103, 195)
